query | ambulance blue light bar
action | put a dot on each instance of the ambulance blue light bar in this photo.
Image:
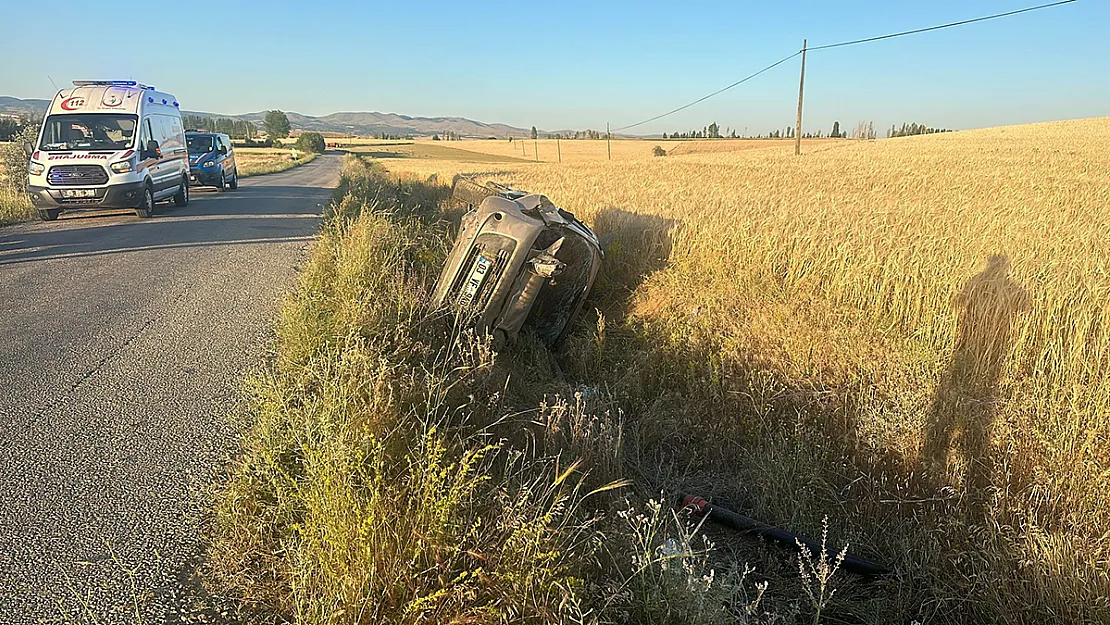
(110, 83)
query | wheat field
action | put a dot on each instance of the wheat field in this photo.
(907, 335)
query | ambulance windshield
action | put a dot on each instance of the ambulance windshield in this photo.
(90, 131)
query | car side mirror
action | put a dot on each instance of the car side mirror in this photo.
(28, 149)
(151, 150)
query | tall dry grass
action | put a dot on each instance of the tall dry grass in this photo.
(908, 335)
(392, 474)
(259, 161)
(14, 203)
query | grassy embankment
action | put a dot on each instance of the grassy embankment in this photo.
(908, 336)
(396, 471)
(258, 161)
(14, 204)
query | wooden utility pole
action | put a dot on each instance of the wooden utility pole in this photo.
(801, 91)
(608, 140)
(536, 149)
(559, 148)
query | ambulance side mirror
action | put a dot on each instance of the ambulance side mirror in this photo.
(151, 149)
(28, 149)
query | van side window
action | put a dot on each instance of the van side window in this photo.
(167, 130)
(147, 133)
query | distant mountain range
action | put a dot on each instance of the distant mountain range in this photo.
(353, 123)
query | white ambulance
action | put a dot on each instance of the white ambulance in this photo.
(109, 144)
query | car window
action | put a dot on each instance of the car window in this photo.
(199, 144)
(171, 133)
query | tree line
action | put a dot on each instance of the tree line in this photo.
(908, 130)
(234, 128)
(863, 130)
(13, 126)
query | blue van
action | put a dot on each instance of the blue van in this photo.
(211, 160)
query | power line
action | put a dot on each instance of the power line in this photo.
(942, 26)
(719, 91)
(842, 44)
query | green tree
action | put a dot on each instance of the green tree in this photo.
(276, 124)
(835, 131)
(14, 162)
(714, 131)
(535, 133)
(9, 127)
(311, 142)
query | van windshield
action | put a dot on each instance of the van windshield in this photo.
(199, 144)
(89, 131)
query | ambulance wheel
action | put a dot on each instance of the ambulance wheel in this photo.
(146, 210)
(181, 198)
(49, 214)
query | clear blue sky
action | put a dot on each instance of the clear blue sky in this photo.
(563, 65)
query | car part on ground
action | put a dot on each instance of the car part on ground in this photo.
(727, 518)
(518, 261)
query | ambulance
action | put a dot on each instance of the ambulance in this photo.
(109, 144)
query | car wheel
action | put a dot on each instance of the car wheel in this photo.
(181, 198)
(147, 209)
(234, 184)
(221, 184)
(49, 214)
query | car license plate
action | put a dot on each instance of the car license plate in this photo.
(71, 193)
(477, 277)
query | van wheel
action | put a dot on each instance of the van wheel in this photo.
(49, 214)
(234, 184)
(147, 209)
(181, 198)
(221, 184)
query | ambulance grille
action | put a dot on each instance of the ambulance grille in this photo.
(77, 175)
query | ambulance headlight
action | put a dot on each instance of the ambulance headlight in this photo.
(122, 167)
(37, 168)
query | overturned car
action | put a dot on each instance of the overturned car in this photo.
(519, 261)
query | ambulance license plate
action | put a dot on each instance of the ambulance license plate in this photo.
(477, 277)
(72, 193)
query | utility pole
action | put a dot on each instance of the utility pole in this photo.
(559, 148)
(609, 140)
(801, 91)
(536, 149)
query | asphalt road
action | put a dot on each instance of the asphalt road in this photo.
(123, 345)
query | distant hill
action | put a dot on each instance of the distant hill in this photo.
(354, 123)
(22, 107)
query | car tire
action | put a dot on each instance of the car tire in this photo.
(146, 210)
(234, 184)
(49, 214)
(221, 184)
(181, 198)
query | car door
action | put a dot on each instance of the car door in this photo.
(229, 160)
(151, 162)
(175, 153)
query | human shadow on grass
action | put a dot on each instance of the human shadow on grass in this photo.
(967, 400)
